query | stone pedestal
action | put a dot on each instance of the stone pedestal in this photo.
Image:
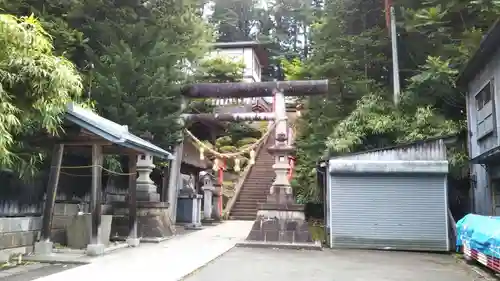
(153, 222)
(189, 209)
(217, 201)
(207, 203)
(280, 222)
(43, 248)
(208, 191)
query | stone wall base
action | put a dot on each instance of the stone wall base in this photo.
(282, 227)
(153, 222)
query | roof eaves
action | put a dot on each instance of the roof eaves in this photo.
(488, 46)
(120, 137)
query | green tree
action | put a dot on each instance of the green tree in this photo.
(351, 48)
(36, 86)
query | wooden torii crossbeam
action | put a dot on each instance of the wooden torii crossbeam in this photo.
(280, 213)
(232, 117)
(255, 89)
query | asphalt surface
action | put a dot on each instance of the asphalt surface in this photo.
(250, 264)
(29, 272)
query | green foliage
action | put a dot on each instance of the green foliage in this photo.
(36, 86)
(220, 70)
(435, 39)
(246, 141)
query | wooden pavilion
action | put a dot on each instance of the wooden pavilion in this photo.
(88, 133)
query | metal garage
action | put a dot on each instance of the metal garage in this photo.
(391, 198)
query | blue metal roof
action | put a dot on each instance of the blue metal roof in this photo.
(112, 131)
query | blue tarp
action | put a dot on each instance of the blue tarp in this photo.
(480, 233)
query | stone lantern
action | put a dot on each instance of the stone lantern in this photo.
(146, 189)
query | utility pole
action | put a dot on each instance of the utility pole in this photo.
(395, 60)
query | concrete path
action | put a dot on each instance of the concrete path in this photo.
(169, 261)
(34, 271)
(250, 264)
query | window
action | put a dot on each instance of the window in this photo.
(256, 65)
(483, 97)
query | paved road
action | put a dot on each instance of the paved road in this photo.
(32, 272)
(168, 261)
(245, 264)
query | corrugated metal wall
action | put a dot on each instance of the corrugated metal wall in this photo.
(389, 212)
(431, 150)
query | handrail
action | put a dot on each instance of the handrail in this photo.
(242, 179)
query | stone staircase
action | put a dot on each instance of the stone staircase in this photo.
(256, 186)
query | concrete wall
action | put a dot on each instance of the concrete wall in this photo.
(481, 190)
(17, 235)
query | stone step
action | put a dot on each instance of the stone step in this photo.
(256, 196)
(251, 192)
(246, 204)
(250, 201)
(249, 216)
(243, 217)
(259, 179)
(255, 191)
(244, 212)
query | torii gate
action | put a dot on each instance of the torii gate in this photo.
(282, 219)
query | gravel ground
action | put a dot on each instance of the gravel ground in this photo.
(250, 264)
(33, 271)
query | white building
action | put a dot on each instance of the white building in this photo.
(254, 57)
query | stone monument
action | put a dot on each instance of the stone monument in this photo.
(208, 191)
(189, 204)
(280, 220)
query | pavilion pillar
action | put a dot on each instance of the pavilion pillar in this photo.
(132, 239)
(96, 247)
(44, 246)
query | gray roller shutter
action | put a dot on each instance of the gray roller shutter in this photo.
(388, 212)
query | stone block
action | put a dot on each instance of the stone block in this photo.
(133, 242)
(256, 235)
(272, 236)
(58, 236)
(257, 226)
(270, 225)
(288, 236)
(291, 225)
(154, 226)
(303, 237)
(17, 239)
(65, 209)
(148, 196)
(94, 250)
(184, 209)
(43, 248)
(120, 226)
(78, 232)
(20, 224)
(303, 226)
(61, 222)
